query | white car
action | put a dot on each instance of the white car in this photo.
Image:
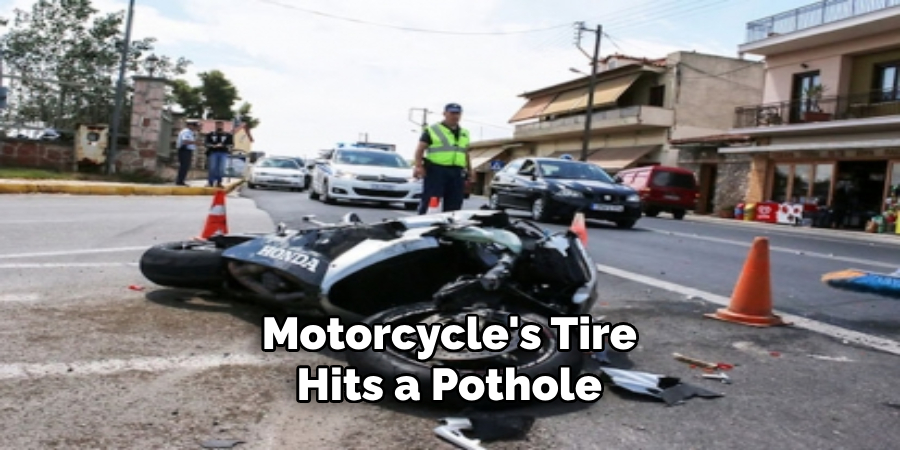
(356, 174)
(278, 172)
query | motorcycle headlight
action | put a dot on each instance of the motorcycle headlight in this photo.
(571, 193)
(633, 198)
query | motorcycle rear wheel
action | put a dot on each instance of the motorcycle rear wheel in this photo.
(393, 362)
(186, 264)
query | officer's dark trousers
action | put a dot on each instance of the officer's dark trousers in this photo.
(445, 182)
(185, 157)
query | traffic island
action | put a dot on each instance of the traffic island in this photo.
(101, 188)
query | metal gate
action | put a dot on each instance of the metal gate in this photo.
(165, 145)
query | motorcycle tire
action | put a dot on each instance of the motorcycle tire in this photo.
(389, 365)
(187, 264)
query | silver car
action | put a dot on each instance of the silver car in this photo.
(278, 172)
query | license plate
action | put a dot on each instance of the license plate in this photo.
(614, 208)
(383, 187)
(672, 197)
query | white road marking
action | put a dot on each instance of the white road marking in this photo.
(794, 251)
(113, 366)
(64, 265)
(30, 297)
(879, 343)
(74, 252)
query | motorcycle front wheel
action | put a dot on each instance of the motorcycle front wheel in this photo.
(187, 264)
(393, 362)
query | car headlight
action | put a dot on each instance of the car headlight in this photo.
(342, 174)
(571, 193)
(633, 198)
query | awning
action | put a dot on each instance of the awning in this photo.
(606, 93)
(533, 108)
(483, 157)
(619, 158)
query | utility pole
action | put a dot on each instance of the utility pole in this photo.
(595, 60)
(120, 94)
(425, 112)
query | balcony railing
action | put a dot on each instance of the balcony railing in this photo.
(813, 15)
(807, 110)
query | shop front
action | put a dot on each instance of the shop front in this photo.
(852, 189)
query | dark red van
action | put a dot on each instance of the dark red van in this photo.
(663, 189)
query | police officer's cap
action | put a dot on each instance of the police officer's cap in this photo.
(453, 107)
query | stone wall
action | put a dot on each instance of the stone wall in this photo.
(732, 173)
(145, 128)
(36, 154)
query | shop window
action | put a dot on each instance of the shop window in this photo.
(894, 180)
(802, 183)
(822, 182)
(800, 186)
(780, 185)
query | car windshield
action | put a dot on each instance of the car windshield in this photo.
(573, 171)
(279, 163)
(370, 158)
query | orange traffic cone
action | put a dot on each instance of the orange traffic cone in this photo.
(434, 206)
(217, 221)
(751, 302)
(579, 227)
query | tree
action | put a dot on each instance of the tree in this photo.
(65, 55)
(215, 93)
(246, 115)
(190, 98)
(219, 94)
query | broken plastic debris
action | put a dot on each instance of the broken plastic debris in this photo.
(670, 389)
(135, 287)
(451, 431)
(775, 354)
(221, 443)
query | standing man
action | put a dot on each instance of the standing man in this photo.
(186, 145)
(218, 147)
(442, 159)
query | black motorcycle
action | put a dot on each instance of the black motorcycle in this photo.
(420, 269)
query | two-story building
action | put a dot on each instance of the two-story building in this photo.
(639, 106)
(827, 129)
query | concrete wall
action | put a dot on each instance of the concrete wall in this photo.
(836, 63)
(707, 89)
(36, 154)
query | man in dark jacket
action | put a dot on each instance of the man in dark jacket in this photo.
(218, 147)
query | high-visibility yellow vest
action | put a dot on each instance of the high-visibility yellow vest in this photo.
(445, 149)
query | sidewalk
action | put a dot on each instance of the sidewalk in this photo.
(885, 238)
(78, 187)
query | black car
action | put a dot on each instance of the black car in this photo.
(558, 188)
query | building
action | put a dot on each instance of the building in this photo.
(639, 106)
(829, 119)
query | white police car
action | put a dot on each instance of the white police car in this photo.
(362, 174)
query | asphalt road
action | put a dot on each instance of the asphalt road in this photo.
(700, 255)
(89, 362)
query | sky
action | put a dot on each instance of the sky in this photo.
(315, 80)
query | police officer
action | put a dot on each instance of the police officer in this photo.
(442, 159)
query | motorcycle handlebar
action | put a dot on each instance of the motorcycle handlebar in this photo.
(493, 278)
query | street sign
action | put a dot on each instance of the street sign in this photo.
(496, 165)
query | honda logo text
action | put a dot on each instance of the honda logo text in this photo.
(298, 259)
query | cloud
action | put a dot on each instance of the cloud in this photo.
(315, 81)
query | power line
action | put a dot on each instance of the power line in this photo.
(402, 28)
(650, 20)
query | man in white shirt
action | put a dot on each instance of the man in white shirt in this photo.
(186, 145)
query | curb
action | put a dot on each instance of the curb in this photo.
(140, 190)
(849, 235)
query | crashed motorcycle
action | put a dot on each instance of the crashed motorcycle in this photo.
(430, 269)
